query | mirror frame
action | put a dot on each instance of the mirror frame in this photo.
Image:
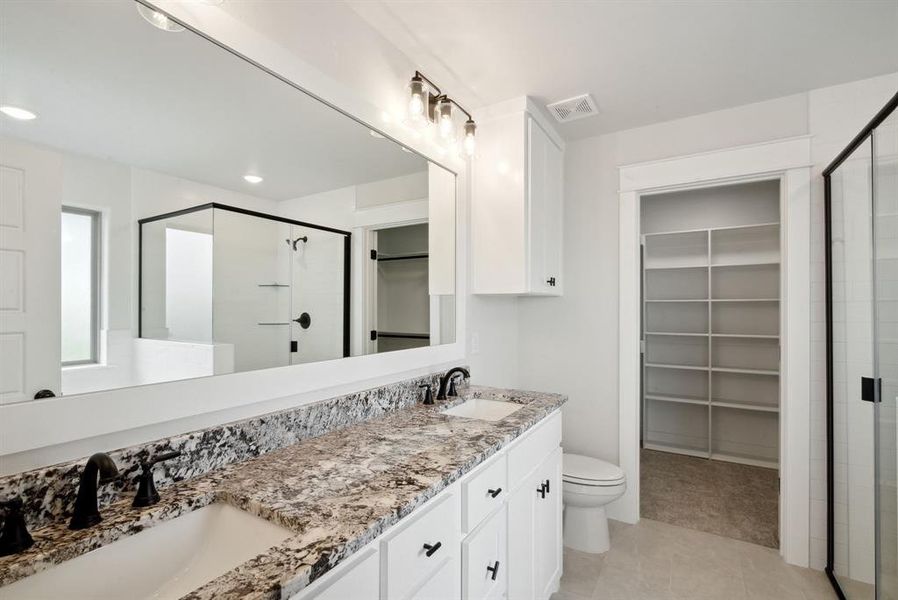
(43, 432)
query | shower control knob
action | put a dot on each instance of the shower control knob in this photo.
(304, 320)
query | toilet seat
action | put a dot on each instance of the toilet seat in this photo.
(590, 472)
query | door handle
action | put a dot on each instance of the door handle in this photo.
(541, 490)
(432, 548)
(494, 570)
(494, 493)
(547, 486)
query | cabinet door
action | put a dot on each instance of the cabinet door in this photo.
(521, 541)
(485, 559)
(547, 544)
(442, 585)
(360, 582)
(544, 219)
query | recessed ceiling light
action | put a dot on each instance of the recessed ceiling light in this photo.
(252, 178)
(159, 20)
(17, 113)
(376, 134)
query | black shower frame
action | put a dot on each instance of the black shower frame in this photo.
(347, 254)
(855, 143)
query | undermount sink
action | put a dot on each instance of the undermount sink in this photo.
(483, 409)
(165, 561)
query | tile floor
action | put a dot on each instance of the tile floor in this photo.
(729, 499)
(658, 561)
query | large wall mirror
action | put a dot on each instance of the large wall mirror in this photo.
(169, 210)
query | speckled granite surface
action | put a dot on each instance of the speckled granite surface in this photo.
(337, 492)
(49, 493)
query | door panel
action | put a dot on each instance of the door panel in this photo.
(30, 202)
(547, 527)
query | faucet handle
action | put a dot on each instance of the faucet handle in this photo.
(14, 536)
(147, 495)
(428, 394)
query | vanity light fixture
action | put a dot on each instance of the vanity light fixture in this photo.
(428, 104)
(18, 113)
(252, 179)
(158, 19)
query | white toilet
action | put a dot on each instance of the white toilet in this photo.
(588, 485)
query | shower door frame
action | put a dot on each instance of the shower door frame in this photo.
(347, 255)
(856, 142)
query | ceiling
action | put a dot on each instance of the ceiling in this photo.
(643, 61)
(107, 84)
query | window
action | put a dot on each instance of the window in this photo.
(80, 231)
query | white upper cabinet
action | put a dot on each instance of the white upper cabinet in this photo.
(517, 206)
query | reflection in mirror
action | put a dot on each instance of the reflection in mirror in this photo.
(174, 211)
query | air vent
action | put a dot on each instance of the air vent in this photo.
(574, 108)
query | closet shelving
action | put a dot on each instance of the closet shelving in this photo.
(711, 342)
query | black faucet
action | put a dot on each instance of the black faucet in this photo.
(87, 514)
(146, 490)
(446, 382)
(14, 536)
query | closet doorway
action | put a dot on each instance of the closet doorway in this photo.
(710, 369)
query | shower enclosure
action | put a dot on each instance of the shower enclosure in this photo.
(861, 204)
(246, 289)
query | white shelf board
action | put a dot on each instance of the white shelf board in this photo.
(745, 371)
(744, 406)
(676, 334)
(677, 399)
(745, 299)
(678, 367)
(745, 460)
(680, 300)
(676, 267)
(748, 336)
(676, 449)
(745, 264)
(749, 226)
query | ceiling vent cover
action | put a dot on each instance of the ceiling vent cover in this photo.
(578, 107)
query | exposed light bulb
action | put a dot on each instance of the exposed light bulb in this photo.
(416, 106)
(470, 142)
(158, 20)
(252, 179)
(20, 114)
(445, 119)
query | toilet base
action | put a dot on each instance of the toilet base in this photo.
(586, 529)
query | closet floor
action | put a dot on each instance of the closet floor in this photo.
(728, 499)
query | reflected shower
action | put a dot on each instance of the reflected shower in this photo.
(293, 243)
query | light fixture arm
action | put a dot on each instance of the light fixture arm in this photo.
(420, 75)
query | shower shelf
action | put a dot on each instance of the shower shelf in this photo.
(274, 285)
(272, 323)
(399, 334)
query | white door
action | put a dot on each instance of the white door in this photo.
(545, 214)
(547, 545)
(30, 202)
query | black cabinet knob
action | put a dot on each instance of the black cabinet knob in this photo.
(432, 548)
(494, 570)
(551, 281)
(541, 490)
(546, 484)
(494, 493)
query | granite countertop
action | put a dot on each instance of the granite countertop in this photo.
(337, 492)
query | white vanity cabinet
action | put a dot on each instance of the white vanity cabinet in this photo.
(517, 204)
(494, 534)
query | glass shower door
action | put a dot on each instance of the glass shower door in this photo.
(853, 420)
(885, 349)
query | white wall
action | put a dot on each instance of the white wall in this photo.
(569, 344)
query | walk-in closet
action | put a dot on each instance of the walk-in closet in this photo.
(711, 327)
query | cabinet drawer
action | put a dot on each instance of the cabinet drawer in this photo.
(485, 559)
(442, 585)
(533, 449)
(406, 564)
(483, 491)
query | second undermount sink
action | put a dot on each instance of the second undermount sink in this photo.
(166, 561)
(483, 409)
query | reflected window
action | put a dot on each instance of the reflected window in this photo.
(80, 231)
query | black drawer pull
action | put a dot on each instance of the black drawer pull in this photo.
(547, 486)
(494, 493)
(494, 570)
(431, 549)
(541, 490)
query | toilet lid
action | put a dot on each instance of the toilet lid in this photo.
(576, 467)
